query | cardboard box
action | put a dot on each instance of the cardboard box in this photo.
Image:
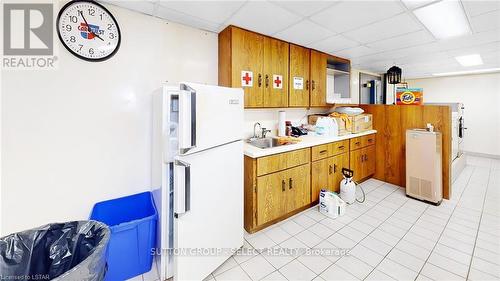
(361, 123)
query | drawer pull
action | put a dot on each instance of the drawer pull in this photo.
(313, 85)
(307, 84)
(283, 184)
(357, 143)
(290, 183)
(267, 80)
(341, 147)
(370, 140)
(322, 151)
(334, 168)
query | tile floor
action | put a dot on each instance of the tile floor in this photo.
(390, 237)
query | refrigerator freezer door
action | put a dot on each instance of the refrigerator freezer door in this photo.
(209, 116)
(209, 211)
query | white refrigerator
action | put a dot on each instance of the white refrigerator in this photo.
(198, 177)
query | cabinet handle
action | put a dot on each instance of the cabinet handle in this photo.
(267, 80)
(313, 85)
(322, 151)
(260, 80)
(357, 143)
(334, 168)
(307, 84)
(283, 184)
(290, 183)
(330, 169)
(341, 147)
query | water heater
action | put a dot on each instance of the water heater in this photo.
(424, 166)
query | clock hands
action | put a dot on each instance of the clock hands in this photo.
(88, 26)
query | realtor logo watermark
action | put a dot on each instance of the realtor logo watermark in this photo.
(28, 36)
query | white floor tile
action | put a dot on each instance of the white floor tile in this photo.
(354, 266)
(385, 237)
(396, 270)
(487, 255)
(230, 263)
(377, 275)
(365, 254)
(297, 271)
(485, 266)
(274, 276)
(438, 273)
(257, 267)
(309, 238)
(277, 234)
(235, 274)
(477, 275)
(261, 241)
(341, 241)
(329, 251)
(291, 227)
(352, 233)
(335, 272)
(406, 260)
(245, 253)
(314, 262)
(453, 254)
(375, 245)
(278, 257)
(294, 245)
(332, 224)
(321, 230)
(304, 220)
(413, 249)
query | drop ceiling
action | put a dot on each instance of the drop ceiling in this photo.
(374, 34)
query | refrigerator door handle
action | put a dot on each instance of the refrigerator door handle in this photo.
(182, 192)
(188, 117)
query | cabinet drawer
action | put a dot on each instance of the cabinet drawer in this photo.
(339, 147)
(320, 152)
(282, 161)
(363, 141)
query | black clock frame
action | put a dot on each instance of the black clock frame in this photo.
(76, 54)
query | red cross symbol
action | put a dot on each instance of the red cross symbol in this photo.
(277, 81)
(247, 78)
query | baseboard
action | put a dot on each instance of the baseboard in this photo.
(478, 154)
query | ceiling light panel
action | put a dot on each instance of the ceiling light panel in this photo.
(444, 19)
(469, 60)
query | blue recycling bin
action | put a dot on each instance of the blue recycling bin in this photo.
(132, 220)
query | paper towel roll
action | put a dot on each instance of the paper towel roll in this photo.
(281, 124)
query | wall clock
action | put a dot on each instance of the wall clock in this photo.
(88, 30)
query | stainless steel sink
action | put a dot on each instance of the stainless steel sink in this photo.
(265, 142)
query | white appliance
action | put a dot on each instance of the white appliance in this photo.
(198, 171)
(423, 165)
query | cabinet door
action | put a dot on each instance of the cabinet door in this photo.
(275, 73)
(299, 68)
(247, 54)
(318, 78)
(338, 162)
(299, 191)
(369, 160)
(271, 191)
(320, 177)
(356, 163)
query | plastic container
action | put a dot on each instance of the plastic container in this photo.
(73, 250)
(132, 220)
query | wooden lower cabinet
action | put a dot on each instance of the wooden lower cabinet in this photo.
(362, 162)
(327, 174)
(282, 192)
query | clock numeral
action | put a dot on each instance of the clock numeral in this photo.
(91, 51)
(111, 36)
(68, 27)
(110, 25)
(81, 46)
(101, 15)
(72, 39)
(73, 19)
(91, 12)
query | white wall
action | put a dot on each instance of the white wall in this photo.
(82, 133)
(481, 97)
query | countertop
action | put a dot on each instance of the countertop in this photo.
(307, 141)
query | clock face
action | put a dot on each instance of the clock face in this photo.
(88, 30)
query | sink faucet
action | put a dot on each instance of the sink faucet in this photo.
(264, 132)
(254, 129)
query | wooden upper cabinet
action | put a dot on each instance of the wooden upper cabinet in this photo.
(299, 68)
(242, 52)
(275, 73)
(318, 78)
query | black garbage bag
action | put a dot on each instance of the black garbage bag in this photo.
(61, 251)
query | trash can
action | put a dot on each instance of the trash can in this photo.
(132, 220)
(60, 251)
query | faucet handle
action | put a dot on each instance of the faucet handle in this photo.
(264, 132)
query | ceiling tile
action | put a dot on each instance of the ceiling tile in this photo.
(333, 44)
(350, 15)
(393, 26)
(475, 39)
(304, 33)
(413, 4)
(212, 11)
(355, 52)
(304, 8)
(478, 49)
(175, 16)
(263, 17)
(145, 7)
(485, 22)
(477, 7)
(407, 40)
